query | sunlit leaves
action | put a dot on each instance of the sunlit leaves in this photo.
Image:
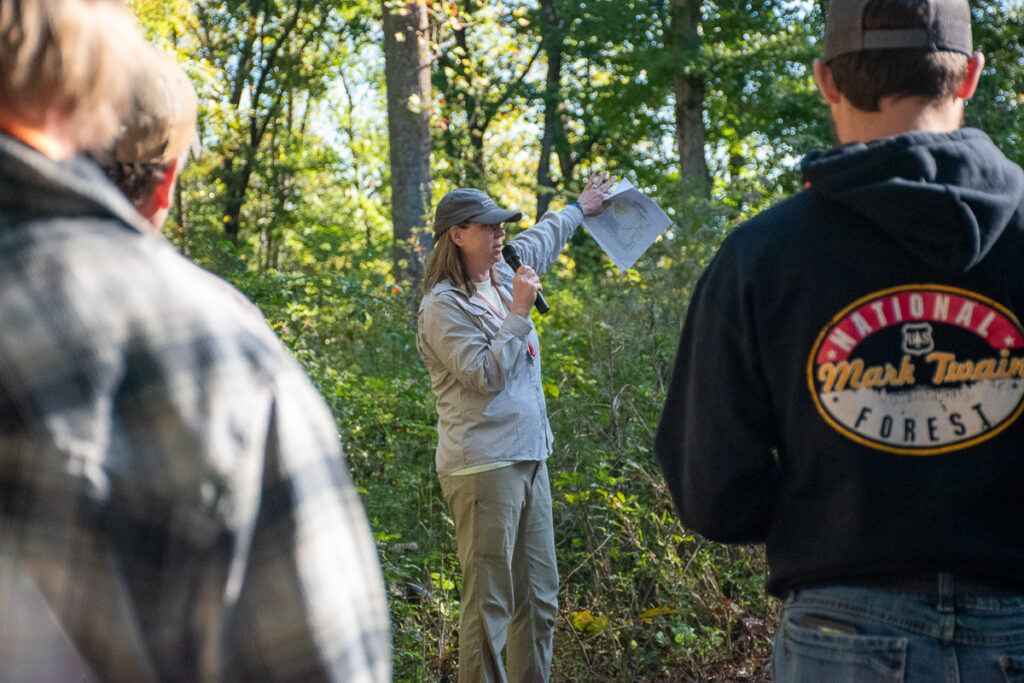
(589, 624)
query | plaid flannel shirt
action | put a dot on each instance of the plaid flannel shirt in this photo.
(170, 481)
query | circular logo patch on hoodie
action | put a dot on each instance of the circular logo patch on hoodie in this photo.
(919, 370)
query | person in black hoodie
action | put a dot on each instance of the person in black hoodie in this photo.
(850, 379)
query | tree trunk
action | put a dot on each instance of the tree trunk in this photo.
(551, 43)
(689, 90)
(407, 74)
(236, 184)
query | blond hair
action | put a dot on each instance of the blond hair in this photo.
(69, 59)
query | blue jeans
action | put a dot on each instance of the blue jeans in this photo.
(863, 635)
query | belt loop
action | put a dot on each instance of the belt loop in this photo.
(946, 592)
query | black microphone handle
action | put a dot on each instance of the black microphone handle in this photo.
(513, 261)
(541, 304)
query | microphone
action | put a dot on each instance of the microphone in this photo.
(513, 261)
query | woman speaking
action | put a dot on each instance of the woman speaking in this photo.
(478, 342)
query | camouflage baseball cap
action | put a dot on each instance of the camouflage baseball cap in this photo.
(161, 124)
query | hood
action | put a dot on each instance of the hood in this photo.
(946, 197)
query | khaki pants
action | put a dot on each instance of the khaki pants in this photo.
(506, 546)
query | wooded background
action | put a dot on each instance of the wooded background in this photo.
(329, 128)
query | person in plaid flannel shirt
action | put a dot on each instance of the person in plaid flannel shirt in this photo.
(173, 497)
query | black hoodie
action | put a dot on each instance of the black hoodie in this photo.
(851, 371)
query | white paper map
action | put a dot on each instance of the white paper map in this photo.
(626, 228)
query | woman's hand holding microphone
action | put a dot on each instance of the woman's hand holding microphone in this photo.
(525, 286)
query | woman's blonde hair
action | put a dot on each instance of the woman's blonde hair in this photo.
(446, 264)
(70, 58)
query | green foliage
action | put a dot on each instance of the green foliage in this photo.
(284, 122)
(998, 104)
